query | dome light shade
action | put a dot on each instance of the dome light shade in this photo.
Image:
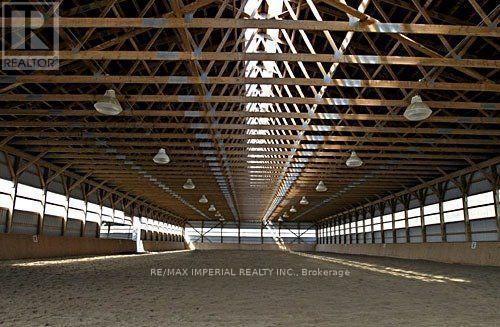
(161, 157)
(203, 199)
(211, 208)
(280, 219)
(321, 187)
(260, 66)
(293, 210)
(189, 185)
(354, 160)
(304, 201)
(108, 104)
(417, 110)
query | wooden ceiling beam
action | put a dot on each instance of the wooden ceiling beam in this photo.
(249, 114)
(246, 99)
(346, 82)
(324, 151)
(261, 56)
(306, 144)
(223, 23)
(202, 126)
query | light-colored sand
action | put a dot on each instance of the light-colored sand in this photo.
(121, 291)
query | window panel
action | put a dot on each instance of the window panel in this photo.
(452, 204)
(399, 215)
(457, 215)
(432, 219)
(414, 213)
(482, 212)
(399, 224)
(480, 199)
(412, 222)
(431, 209)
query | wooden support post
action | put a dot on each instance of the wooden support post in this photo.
(347, 224)
(221, 235)
(381, 209)
(84, 222)
(202, 235)
(239, 232)
(65, 220)
(344, 221)
(337, 224)
(326, 232)
(334, 233)
(497, 209)
(317, 233)
(10, 214)
(441, 188)
(12, 168)
(394, 204)
(42, 215)
(421, 196)
(356, 226)
(261, 233)
(406, 205)
(330, 231)
(372, 214)
(351, 220)
(326, 235)
(468, 231)
(422, 224)
(99, 224)
(42, 177)
(363, 215)
(298, 232)
(496, 196)
(97, 230)
(465, 184)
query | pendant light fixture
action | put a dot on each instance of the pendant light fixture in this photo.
(354, 160)
(321, 187)
(211, 208)
(161, 157)
(417, 110)
(260, 66)
(203, 199)
(280, 219)
(304, 201)
(108, 104)
(189, 185)
(293, 210)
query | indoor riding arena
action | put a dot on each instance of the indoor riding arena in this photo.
(256, 163)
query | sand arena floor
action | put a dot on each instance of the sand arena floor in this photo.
(121, 291)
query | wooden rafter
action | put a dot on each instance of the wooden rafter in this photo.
(188, 75)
